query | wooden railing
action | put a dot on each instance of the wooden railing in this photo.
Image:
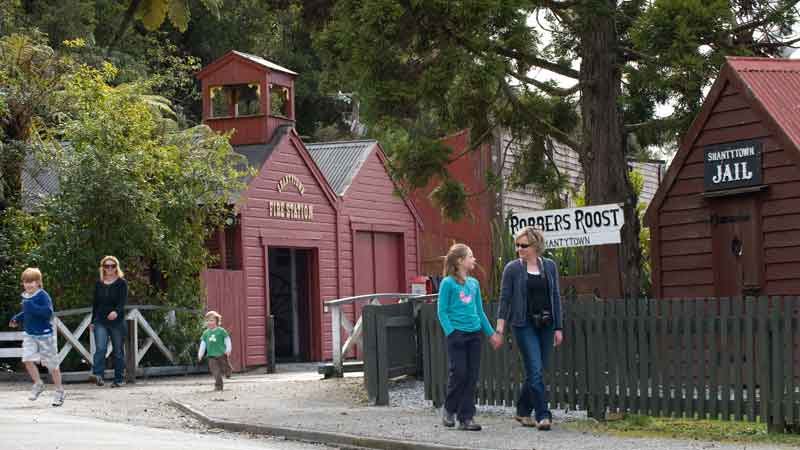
(717, 358)
(340, 322)
(135, 350)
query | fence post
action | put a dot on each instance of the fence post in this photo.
(131, 351)
(336, 340)
(271, 344)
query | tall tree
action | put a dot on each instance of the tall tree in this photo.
(30, 72)
(473, 64)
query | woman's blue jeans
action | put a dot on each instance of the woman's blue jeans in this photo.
(101, 335)
(535, 346)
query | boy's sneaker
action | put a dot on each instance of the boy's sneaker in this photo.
(116, 384)
(36, 391)
(98, 379)
(58, 398)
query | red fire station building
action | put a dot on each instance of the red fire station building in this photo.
(316, 222)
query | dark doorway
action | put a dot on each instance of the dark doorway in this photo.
(289, 302)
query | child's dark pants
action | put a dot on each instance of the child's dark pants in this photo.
(219, 367)
(464, 358)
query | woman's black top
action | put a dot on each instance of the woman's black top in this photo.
(107, 298)
(538, 299)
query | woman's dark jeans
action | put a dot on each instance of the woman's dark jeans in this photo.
(101, 334)
(535, 346)
(464, 358)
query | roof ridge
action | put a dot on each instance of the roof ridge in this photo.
(341, 142)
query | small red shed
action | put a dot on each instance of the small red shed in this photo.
(726, 220)
(316, 222)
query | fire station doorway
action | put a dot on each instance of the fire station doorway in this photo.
(290, 293)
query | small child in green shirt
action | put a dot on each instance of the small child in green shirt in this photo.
(217, 342)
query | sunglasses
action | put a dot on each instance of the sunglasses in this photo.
(109, 266)
(522, 245)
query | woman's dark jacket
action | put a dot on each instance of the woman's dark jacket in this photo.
(514, 292)
(107, 298)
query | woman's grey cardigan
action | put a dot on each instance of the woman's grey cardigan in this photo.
(514, 293)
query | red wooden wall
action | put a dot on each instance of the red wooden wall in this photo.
(225, 294)
(475, 228)
(259, 231)
(378, 234)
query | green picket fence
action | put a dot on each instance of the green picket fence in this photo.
(716, 358)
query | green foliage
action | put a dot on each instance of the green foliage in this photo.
(30, 76)
(505, 252)
(637, 179)
(20, 236)
(152, 13)
(451, 198)
(130, 189)
(690, 429)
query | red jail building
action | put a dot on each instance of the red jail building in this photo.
(316, 222)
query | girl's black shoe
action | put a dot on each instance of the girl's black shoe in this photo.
(448, 419)
(469, 425)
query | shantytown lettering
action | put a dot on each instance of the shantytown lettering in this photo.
(732, 165)
(292, 181)
(290, 210)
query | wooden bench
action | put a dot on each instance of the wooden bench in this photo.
(11, 336)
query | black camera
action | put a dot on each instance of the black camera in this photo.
(542, 319)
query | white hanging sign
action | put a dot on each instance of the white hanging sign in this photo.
(574, 227)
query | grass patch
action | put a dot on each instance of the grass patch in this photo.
(691, 429)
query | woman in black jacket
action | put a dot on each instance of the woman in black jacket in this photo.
(108, 319)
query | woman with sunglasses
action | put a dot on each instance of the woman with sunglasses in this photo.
(530, 300)
(108, 319)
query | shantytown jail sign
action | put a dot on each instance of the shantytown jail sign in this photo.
(574, 227)
(733, 165)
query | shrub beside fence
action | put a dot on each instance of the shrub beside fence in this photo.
(717, 358)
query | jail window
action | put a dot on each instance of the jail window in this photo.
(236, 100)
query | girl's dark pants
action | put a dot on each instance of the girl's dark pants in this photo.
(464, 359)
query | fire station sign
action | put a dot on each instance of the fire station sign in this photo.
(733, 165)
(574, 227)
(290, 210)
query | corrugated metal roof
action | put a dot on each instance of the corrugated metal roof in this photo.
(340, 161)
(776, 85)
(263, 62)
(38, 183)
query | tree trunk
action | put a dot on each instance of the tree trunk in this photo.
(603, 149)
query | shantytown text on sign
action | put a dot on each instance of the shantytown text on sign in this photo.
(573, 227)
(733, 165)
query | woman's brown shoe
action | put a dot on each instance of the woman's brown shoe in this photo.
(544, 424)
(526, 421)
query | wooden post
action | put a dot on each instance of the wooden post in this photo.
(131, 351)
(271, 344)
(336, 340)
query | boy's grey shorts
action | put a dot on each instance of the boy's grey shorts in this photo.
(42, 349)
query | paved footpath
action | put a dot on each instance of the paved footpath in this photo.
(36, 429)
(302, 406)
(338, 407)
